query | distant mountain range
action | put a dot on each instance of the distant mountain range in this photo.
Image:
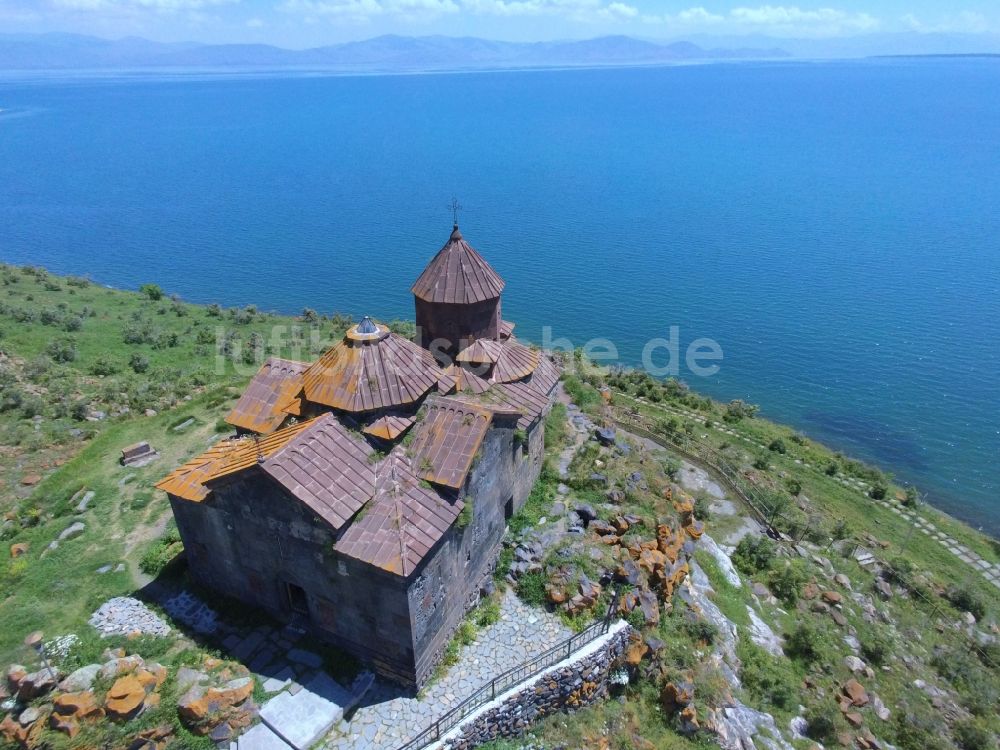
(383, 53)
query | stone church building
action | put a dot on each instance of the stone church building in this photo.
(365, 495)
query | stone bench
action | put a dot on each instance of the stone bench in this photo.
(138, 454)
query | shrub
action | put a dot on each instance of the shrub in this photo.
(876, 647)
(138, 363)
(878, 492)
(761, 463)
(738, 410)
(61, 350)
(73, 323)
(753, 554)
(152, 291)
(794, 486)
(309, 315)
(807, 643)
(967, 600)
(531, 588)
(788, 580)
(671, 466)
(701, 631)
(702, 509)
(912, 497)
(769, 679)
(821, 723)
(831, 469)
(161, 553)
(777, 446)
(917, 731)
(103, 366)
(972, 734)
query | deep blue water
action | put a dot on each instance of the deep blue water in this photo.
(835, 227)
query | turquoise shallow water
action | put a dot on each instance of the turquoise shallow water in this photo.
(834, 227)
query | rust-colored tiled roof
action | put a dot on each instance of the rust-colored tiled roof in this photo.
(187, 481)
(225, 457)
(528, 401)
(465, 380)
(402, 522)
(369, 374)
(514, 362)
(326, 467)
(447, 440)
(264, 404)
(388, 427)
(250, 450)
(480, 351)
(458, 275)
(545, 376)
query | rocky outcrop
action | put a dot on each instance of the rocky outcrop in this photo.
(217, 701)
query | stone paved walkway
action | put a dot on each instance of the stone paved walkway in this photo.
(989, 571)
(391, 720)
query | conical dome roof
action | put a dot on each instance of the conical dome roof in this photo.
(458, 275)
(369, 371)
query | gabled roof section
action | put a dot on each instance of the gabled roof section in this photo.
(368, 372)
(388, 426)
(506, 329)
(447, 441)
(514, 362)
(402, 522)
(465, 380)
(262, 407)
(188, 481)
(527, 401)
(480, 351)
(326, 467)
(458, 275)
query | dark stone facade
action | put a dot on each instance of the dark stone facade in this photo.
(253, 541)
(454, 324)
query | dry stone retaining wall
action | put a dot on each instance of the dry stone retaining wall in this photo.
(571, 684)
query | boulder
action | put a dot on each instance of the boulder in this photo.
(636, 651)
(856, 692)
(37, 684)
(880, 709)
(18, 549)
(883, 588)
(810, 591)
(82, 705)
(15, 674)
(853, 663)
(235, 691)
(120, 665)
(832, 597)
(81, 679)
(605, 436)
(585, 512)
(65, 724)
(676, 695)
(157, 738)
(854, 719)
(125, 699)
(841, 580)
(650, 607)
(71, 531)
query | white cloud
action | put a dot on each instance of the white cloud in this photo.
(784, 19)
(365, 10)
(131, 5)
(575, 10)
(964, 22)
(254, 23)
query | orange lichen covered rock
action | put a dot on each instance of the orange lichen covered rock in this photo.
(125, 698)
(82, 705)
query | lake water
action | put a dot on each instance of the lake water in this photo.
(835, 227)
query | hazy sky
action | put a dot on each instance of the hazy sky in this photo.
(301, 23)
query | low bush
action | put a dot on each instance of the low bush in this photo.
(807, 643)
(531, 588)
(754, 554)
(161, 553)
(973, 734)
(967, 600)
(787, 581)
(821, 721)
(769, 680)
